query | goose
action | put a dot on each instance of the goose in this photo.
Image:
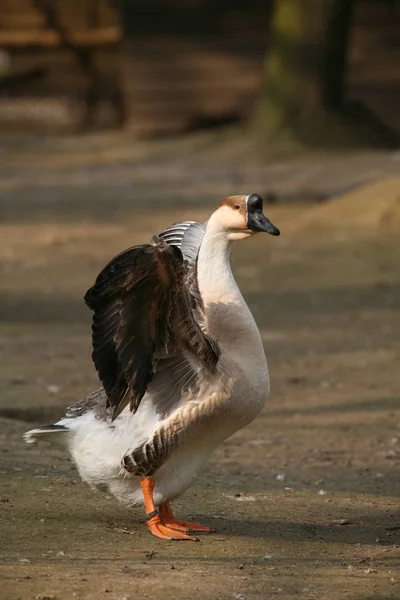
(181, 362)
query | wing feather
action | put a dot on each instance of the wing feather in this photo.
(187, 236)
(143, 310)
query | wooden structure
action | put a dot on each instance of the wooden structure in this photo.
(178, 65)
(90, 22)
(178, 73)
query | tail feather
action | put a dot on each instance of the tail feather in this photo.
(42, 432)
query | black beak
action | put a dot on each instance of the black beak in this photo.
(259, 222)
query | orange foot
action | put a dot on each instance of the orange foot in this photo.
(167, 518)
(156, 527)
(165, 532)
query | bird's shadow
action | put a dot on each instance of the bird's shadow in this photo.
(367, 530)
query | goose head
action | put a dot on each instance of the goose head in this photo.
(240, 217)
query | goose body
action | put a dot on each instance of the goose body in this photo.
(166, 405)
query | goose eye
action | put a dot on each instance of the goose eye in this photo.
(237, 207)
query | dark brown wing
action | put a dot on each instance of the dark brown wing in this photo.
(142, 310)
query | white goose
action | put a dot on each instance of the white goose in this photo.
(181, 362)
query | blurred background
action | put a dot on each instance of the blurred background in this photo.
(119, 118)
(171, 66)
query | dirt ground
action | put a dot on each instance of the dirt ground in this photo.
(305, 499)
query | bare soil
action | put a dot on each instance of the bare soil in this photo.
(305, 499)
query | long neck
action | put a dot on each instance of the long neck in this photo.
(229, 319)
(228, 316)
(214, 274)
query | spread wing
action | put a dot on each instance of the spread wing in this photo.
(187, 236)
(142, 313)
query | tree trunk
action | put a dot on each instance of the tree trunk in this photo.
(306, 64)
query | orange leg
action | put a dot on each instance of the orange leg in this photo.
(167, 517)
(154, 523)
